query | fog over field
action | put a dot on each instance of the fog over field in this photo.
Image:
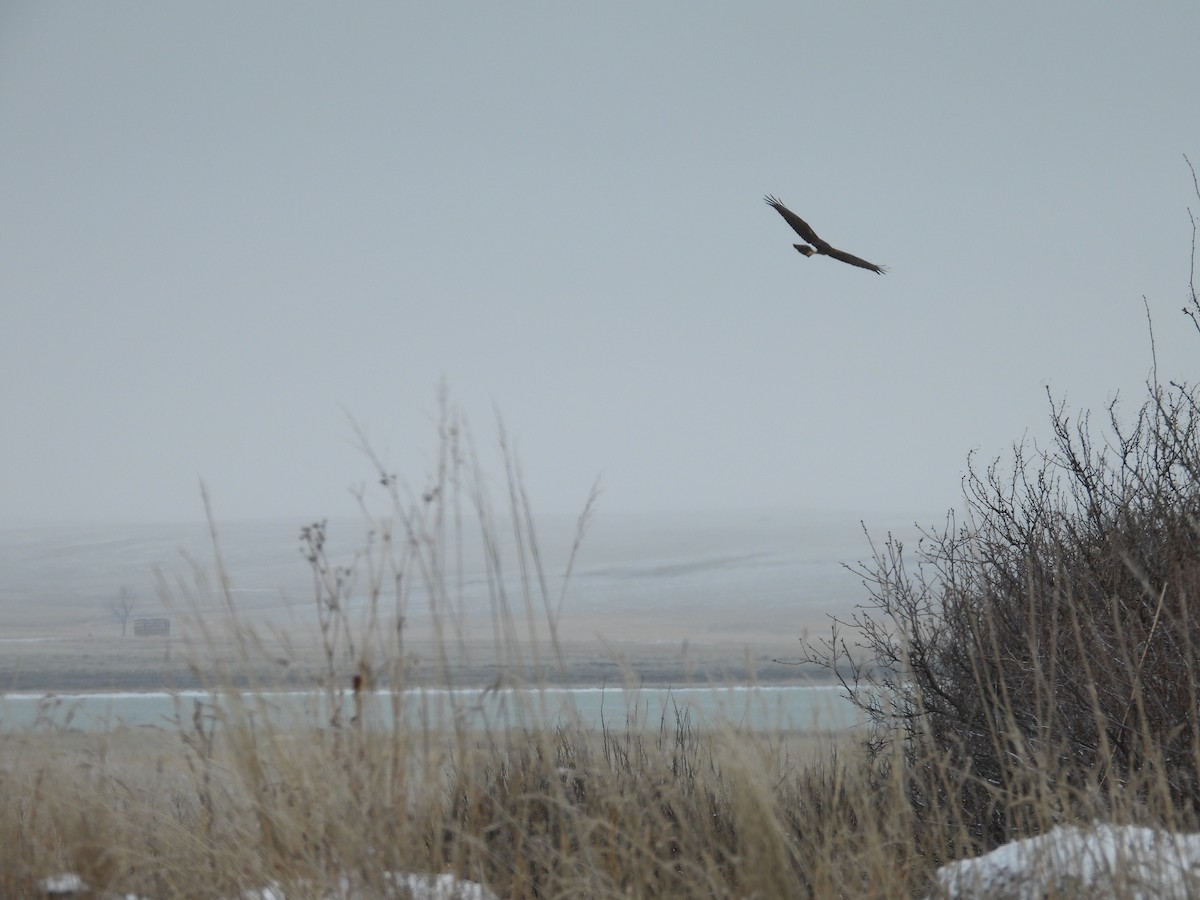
(720, 583)
(652, 602)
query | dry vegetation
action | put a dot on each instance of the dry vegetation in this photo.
(1035, 664)
(238, 795)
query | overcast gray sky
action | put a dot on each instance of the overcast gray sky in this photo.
(224, 223)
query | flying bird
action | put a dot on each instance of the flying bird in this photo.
(803, 229)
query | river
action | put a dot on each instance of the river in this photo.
(759, 708)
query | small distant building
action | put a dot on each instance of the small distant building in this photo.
(151, 627)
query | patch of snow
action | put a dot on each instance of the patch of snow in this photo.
(271, 892)
(63, 885)
(1103, 861)
(418, 887)
(68, 884)
(440, 887)
(406, 885)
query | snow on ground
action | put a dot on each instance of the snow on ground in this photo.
(1103, 861)
(404, 885)
(418, 887)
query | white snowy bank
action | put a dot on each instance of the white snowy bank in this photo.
(1107, 862)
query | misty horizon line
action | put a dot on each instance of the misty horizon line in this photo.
(89, 521)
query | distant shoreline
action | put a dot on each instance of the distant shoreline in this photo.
(65, 665)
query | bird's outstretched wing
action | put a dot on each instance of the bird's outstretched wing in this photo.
(850, 258)
(801, 227)
(805, 231)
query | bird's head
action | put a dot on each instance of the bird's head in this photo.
(805, 249)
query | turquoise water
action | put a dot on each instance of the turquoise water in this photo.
(792, 708)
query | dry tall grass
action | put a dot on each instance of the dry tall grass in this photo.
(240, 794)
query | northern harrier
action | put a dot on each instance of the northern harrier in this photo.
(818, 246)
